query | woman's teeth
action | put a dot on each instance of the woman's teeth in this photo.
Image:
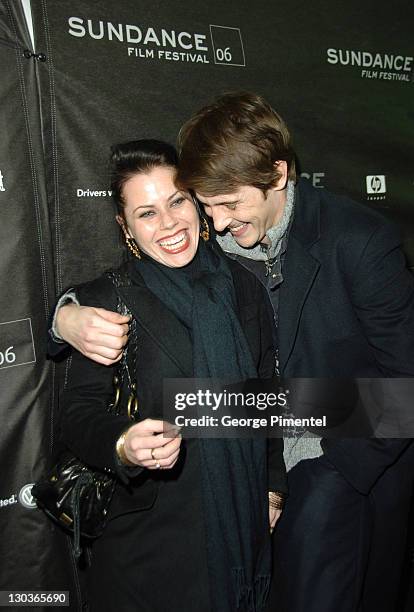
(174, 242)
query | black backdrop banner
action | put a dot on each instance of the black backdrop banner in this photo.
(29, 546)
(138, 69)
(101, 72)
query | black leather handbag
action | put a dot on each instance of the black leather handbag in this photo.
(77, 496)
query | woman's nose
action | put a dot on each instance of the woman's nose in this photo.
(167, 220)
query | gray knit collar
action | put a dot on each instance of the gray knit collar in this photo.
(275, 234)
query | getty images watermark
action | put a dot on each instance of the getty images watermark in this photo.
(229, 404)
(222, 409)
(272, 408)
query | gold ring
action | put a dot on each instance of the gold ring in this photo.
(152, 454)
(158, 465)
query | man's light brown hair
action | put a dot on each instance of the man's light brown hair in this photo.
(233, 142)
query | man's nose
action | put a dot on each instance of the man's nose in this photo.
(221, 218)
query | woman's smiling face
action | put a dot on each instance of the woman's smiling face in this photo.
(162, 219)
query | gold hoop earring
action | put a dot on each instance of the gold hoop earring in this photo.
(133, 247)
(204, 230)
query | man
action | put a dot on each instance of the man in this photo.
(343, 304)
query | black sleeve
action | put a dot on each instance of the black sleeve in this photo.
(362, 461)
(383, 298)
(87, 428)
(277, 478)
(382, 295)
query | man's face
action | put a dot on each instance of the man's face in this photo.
(247, 213)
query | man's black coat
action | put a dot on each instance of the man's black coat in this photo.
(346, 309)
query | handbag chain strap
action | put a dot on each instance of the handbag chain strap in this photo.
(125, 377)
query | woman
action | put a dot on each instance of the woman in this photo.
(189, 524)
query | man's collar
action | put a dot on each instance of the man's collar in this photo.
(306, 222)
(275, 234)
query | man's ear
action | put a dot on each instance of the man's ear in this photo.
(281, 169)
(122, 224)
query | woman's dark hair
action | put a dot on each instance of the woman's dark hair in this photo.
(135, 157)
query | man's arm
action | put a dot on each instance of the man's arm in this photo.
(97, 333)
(383, 298)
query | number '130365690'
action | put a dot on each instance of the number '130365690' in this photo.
(7, 356)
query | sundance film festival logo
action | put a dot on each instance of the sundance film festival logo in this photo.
(376, 187)
(16, 344)
(316, 178)
(381, 66)
(224, 45)
(227, 46)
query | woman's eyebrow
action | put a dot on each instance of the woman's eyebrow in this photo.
(172, 195)
(142, 206)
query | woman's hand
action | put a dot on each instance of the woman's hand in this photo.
(274, 516)
(97, 333)
(276, 501)
(152, 444)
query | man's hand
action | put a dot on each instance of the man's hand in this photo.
(95, 332)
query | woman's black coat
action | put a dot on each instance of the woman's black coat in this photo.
(164, 351)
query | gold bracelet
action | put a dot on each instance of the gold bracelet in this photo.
(120, 449)
(276, 500)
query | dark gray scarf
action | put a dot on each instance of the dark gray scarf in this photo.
(233, 471)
